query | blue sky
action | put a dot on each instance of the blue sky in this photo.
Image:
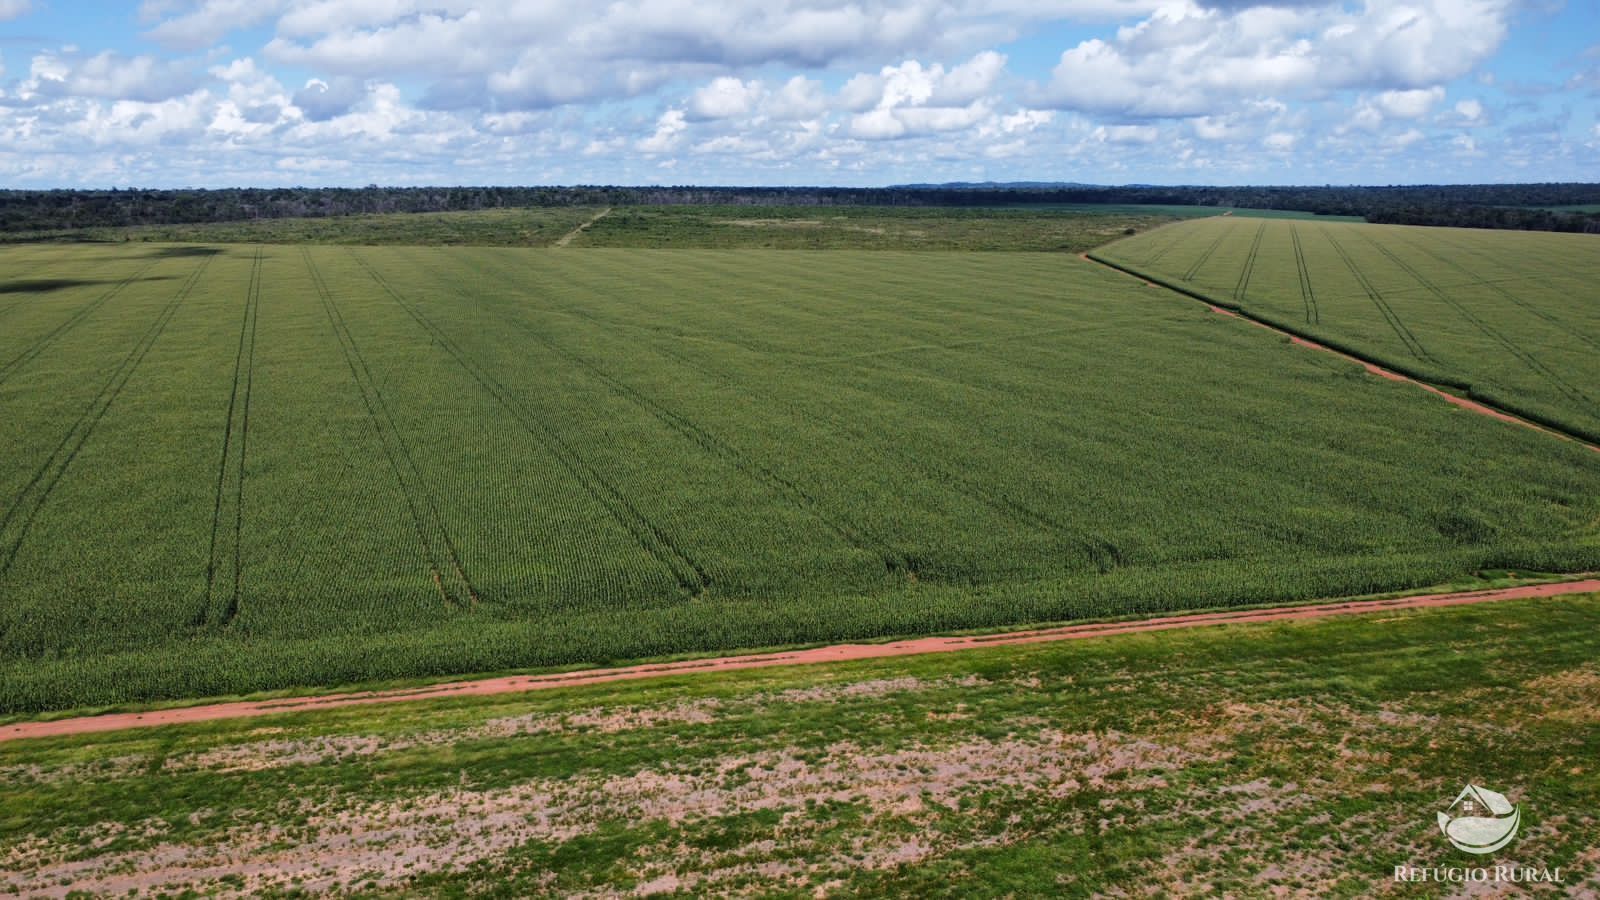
(214, 93)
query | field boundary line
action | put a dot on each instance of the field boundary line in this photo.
(1373, 364)
(232, 462)
(832, 653)
(55, 465)
(651, 537)
(572, 235)
(449, 576)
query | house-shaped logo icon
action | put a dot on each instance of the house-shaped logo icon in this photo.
(1480, 820)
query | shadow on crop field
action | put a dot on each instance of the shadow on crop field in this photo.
(50, 285)
(184, 252)
(43, 285)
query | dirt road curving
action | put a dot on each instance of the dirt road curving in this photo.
(835, 653)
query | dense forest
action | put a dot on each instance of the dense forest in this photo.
(1542, 207)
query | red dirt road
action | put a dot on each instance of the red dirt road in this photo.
(835, 653)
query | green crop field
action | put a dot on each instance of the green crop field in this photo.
(1509, 317)
(236, 468)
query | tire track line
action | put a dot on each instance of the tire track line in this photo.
(14, 528)
(685, 569)
(1308, 294)
(72, 321)
(1406, 337)
(854, 534)
(1176, 237)
(1206, 256)
(1243, 284)
(448, 574)
(1474, 279)
(1376, 368)
(1103, 554)
(1528, 359)
(230, 470)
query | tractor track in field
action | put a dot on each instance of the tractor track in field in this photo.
(1103, 554)
(834, 653)
(1243, 285)
(685, 569)
(1205, 257)
(43, 342)
(1401, 331)
(1477, 406)
(1476, 280)
(1308, 293)
(232, 462)
(449, 575)
(1177, 239)
(1526, 358)
(14, 529)
(696, 434)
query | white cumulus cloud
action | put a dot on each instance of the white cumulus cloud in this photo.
(1189, 59)
(1412, 104)
(668, 134)
(724, 98)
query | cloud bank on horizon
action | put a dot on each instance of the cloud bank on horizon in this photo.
(217, 93)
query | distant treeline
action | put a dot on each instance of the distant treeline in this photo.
(1518, 206)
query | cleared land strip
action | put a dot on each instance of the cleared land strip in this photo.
(1477, 406)
(572, 235)
(832, 653)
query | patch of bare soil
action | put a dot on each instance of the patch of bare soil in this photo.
(387, 843)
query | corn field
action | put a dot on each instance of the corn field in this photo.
(254, 467)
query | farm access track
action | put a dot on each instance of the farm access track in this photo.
(827, 654)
